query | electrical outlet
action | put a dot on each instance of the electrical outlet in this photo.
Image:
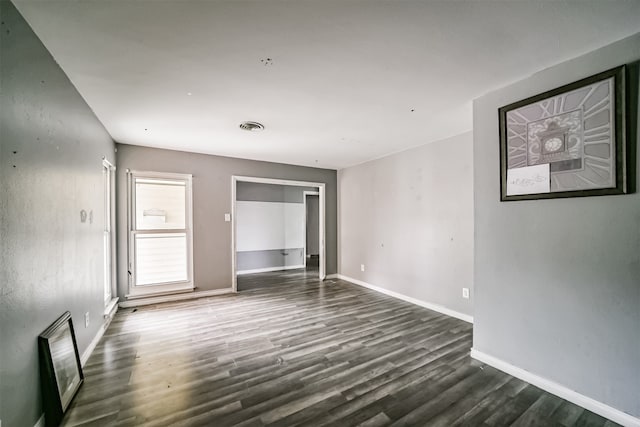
(86, 319)
(227, 217)
(465, 293)
(361, 267)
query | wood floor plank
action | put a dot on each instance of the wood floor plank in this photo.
(567, 414)
(290, 350)
(513, 408)
(589, 419)
(540, 412)
(489, 403)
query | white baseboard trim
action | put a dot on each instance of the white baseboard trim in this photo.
(332, 276)
(111, 309)
(430, 306)
(558, 390)
(175, 297)
(94, 342)
(267, 269)
(40, 422)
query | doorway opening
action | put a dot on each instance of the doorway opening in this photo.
(270, 238)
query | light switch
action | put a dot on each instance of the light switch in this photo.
(227, 217)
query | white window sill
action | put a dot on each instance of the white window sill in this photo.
(158, 294)
(111, 308)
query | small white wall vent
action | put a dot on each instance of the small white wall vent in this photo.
(252, 126)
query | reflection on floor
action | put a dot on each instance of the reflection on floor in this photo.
(302, 352)
(247, 282)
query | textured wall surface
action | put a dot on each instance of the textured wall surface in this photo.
(557, 282)
(51, 154)
(409, 219)
(211, 200)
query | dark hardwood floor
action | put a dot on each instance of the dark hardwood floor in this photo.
(293, 351)
(254, 281)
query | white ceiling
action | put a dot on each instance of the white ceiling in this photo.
(343, 79)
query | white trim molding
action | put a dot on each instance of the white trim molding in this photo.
(268, 269)
(40, 422)
(86, 354)
(111, 309)
(332, 276)
(175, 297)
(429, 305)
(559, 390)
(109, 312)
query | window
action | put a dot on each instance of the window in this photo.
(160, 238)
(108, 179)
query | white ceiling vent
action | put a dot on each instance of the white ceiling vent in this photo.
(251, 126)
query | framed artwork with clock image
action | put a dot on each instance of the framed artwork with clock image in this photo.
(568, 142)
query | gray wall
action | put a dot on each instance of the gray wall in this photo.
(313, 225)
(557, 282)
(252, 260)
(259, 192)
(409, 218)
(211, 200)
(51, 150)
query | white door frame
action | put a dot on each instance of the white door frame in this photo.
(321, 190)
(304, 198)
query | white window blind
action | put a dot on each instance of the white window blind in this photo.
(161, 258)
(160, 205)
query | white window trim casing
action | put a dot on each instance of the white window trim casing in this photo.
(108, 167)
(169, 287)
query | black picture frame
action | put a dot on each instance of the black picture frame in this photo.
(619, 143)
(60, 369)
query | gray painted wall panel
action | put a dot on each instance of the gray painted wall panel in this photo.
(259, 192)
(251, 260)
(313, 225)
(211, 200)
(557, 282)
(409, 218)
(51, 150)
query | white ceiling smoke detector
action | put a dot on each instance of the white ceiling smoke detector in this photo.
(252, 126)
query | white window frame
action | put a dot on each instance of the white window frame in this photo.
(109, 175)
(167, 287)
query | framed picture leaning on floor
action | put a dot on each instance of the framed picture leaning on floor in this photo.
(60, 370)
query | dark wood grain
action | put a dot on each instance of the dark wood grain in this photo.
(291, 350)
